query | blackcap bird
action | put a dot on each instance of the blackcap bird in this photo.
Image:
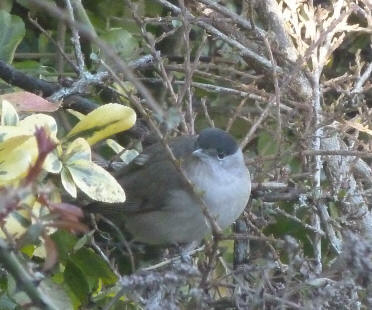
(160, 209)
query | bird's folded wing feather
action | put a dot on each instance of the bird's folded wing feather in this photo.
(148, 177)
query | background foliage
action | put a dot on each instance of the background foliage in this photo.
(290, 79)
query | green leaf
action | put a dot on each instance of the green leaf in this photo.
(103, 122)
(11, 284)
(22, 299)
(3, 282)
(32, 234)
(29, 250)
(6, 5)
(153, 8)
(11, 34)
(32, 6)
(76, 281)
(46, 46)
(6, 303)
(65, 242)
(83, 240)
(56, 294)
(123, 43)
(93, 266)
(266, 144)
(31, 67)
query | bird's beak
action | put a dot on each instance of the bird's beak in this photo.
(199, 153)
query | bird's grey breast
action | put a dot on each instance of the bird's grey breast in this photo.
(225, 190)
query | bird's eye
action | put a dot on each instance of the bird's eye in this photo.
(220, 155)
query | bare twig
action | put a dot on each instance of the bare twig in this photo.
(76, 40)
(59, 48)
(205, 110)
(362, 79)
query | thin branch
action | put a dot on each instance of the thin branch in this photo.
(362, 79)
(206, 114)
(277, 96)
(76, 39)
(23, 278)
(59, 48)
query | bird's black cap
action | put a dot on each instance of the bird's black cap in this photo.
(214, 138)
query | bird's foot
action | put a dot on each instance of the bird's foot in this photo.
(184, 252)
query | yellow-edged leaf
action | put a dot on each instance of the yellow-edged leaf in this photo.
(9, 116)
(95, 181)
(75, 113)
(358, 126)
(17, 154)
(116, 147)
(125, 88)
(13, 225)
(40, 120)
(52, 163)
(7, 132)
(79, 149)
(68, 182)
(40, 251)
(12, 143)
(17, 222)
(126, 155)
(103, 122)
